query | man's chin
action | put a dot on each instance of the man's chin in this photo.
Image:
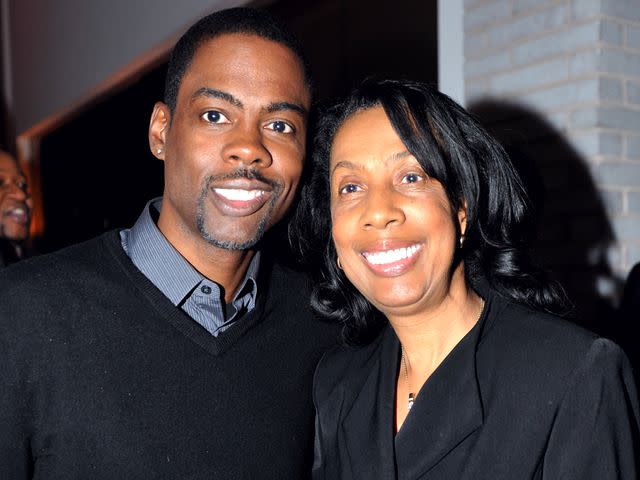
(14, 236)
(237, 241)
(231, 244)
(233, 234)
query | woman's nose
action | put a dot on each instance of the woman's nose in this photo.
(381, 210)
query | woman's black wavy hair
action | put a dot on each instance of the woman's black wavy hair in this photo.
(453, 148)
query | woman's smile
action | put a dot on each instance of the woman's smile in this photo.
(392, 261)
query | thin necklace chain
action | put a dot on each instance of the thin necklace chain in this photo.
(406, 379)
(405, 369)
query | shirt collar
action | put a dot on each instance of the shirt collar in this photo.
(163, 265)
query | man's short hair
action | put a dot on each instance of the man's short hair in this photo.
(234, 20)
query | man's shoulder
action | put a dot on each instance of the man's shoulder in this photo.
(53, 271)
(289, 297)
(287, 282)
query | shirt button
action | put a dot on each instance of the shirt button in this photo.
(206, 289)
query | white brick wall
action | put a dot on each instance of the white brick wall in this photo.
(576, 65)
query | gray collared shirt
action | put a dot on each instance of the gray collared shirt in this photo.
(182, 284)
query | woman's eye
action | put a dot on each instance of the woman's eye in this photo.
(412, 178)
(349, 188)
(280, 127)
(214, 116)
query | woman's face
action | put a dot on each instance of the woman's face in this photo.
(393, 227)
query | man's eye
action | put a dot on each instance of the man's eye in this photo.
(412, 178)
(213, 116)
(349, 188)
(280, 127)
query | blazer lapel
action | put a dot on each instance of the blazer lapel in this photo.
(447, 409)
(367, 428)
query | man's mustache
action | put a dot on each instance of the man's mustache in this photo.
(249, 174)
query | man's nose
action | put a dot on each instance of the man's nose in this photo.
(247, 147)
(17, 191)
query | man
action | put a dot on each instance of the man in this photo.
(176, 349)
(15, 210)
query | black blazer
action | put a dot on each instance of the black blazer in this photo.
(522, 396)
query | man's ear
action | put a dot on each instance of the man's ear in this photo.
(158, 129)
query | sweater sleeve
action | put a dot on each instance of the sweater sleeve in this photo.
(14, 441)
(596, 430)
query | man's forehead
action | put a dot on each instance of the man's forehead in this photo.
(245, 55)
(240, 40)
(8, 166)
(7, 162)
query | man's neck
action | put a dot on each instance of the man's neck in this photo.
(224, 266)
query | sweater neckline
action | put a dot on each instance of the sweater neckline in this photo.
(174, 315)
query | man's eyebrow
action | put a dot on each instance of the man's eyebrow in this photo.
(213, 93)
(279, 106)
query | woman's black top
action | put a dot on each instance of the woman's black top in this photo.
(523, 395)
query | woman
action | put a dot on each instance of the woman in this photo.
(456, 366)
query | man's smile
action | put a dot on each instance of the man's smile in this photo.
(239, 194)
(19, 214)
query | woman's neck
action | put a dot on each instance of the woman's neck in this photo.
(428, 338)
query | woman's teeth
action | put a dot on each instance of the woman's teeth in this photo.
(391, 256)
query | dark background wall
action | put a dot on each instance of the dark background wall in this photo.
(65, 50)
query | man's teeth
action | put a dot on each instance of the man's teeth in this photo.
(238, 194)
(391, 256)
(18, 211)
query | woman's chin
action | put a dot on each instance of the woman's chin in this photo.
(394, 305)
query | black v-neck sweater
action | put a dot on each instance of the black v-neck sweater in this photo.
(102, 377)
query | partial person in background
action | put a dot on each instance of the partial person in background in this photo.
(630, 318)
(15, 210)
(458, 365)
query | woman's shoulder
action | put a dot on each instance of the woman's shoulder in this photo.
(343, 363)
(544, 344)
(535, 328)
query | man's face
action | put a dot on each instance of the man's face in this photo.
(15, 201)
(234, 148)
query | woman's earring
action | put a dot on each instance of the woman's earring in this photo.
(338, 262)
(159, 150)
(461, 240)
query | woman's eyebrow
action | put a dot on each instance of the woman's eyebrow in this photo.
(345, 164)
